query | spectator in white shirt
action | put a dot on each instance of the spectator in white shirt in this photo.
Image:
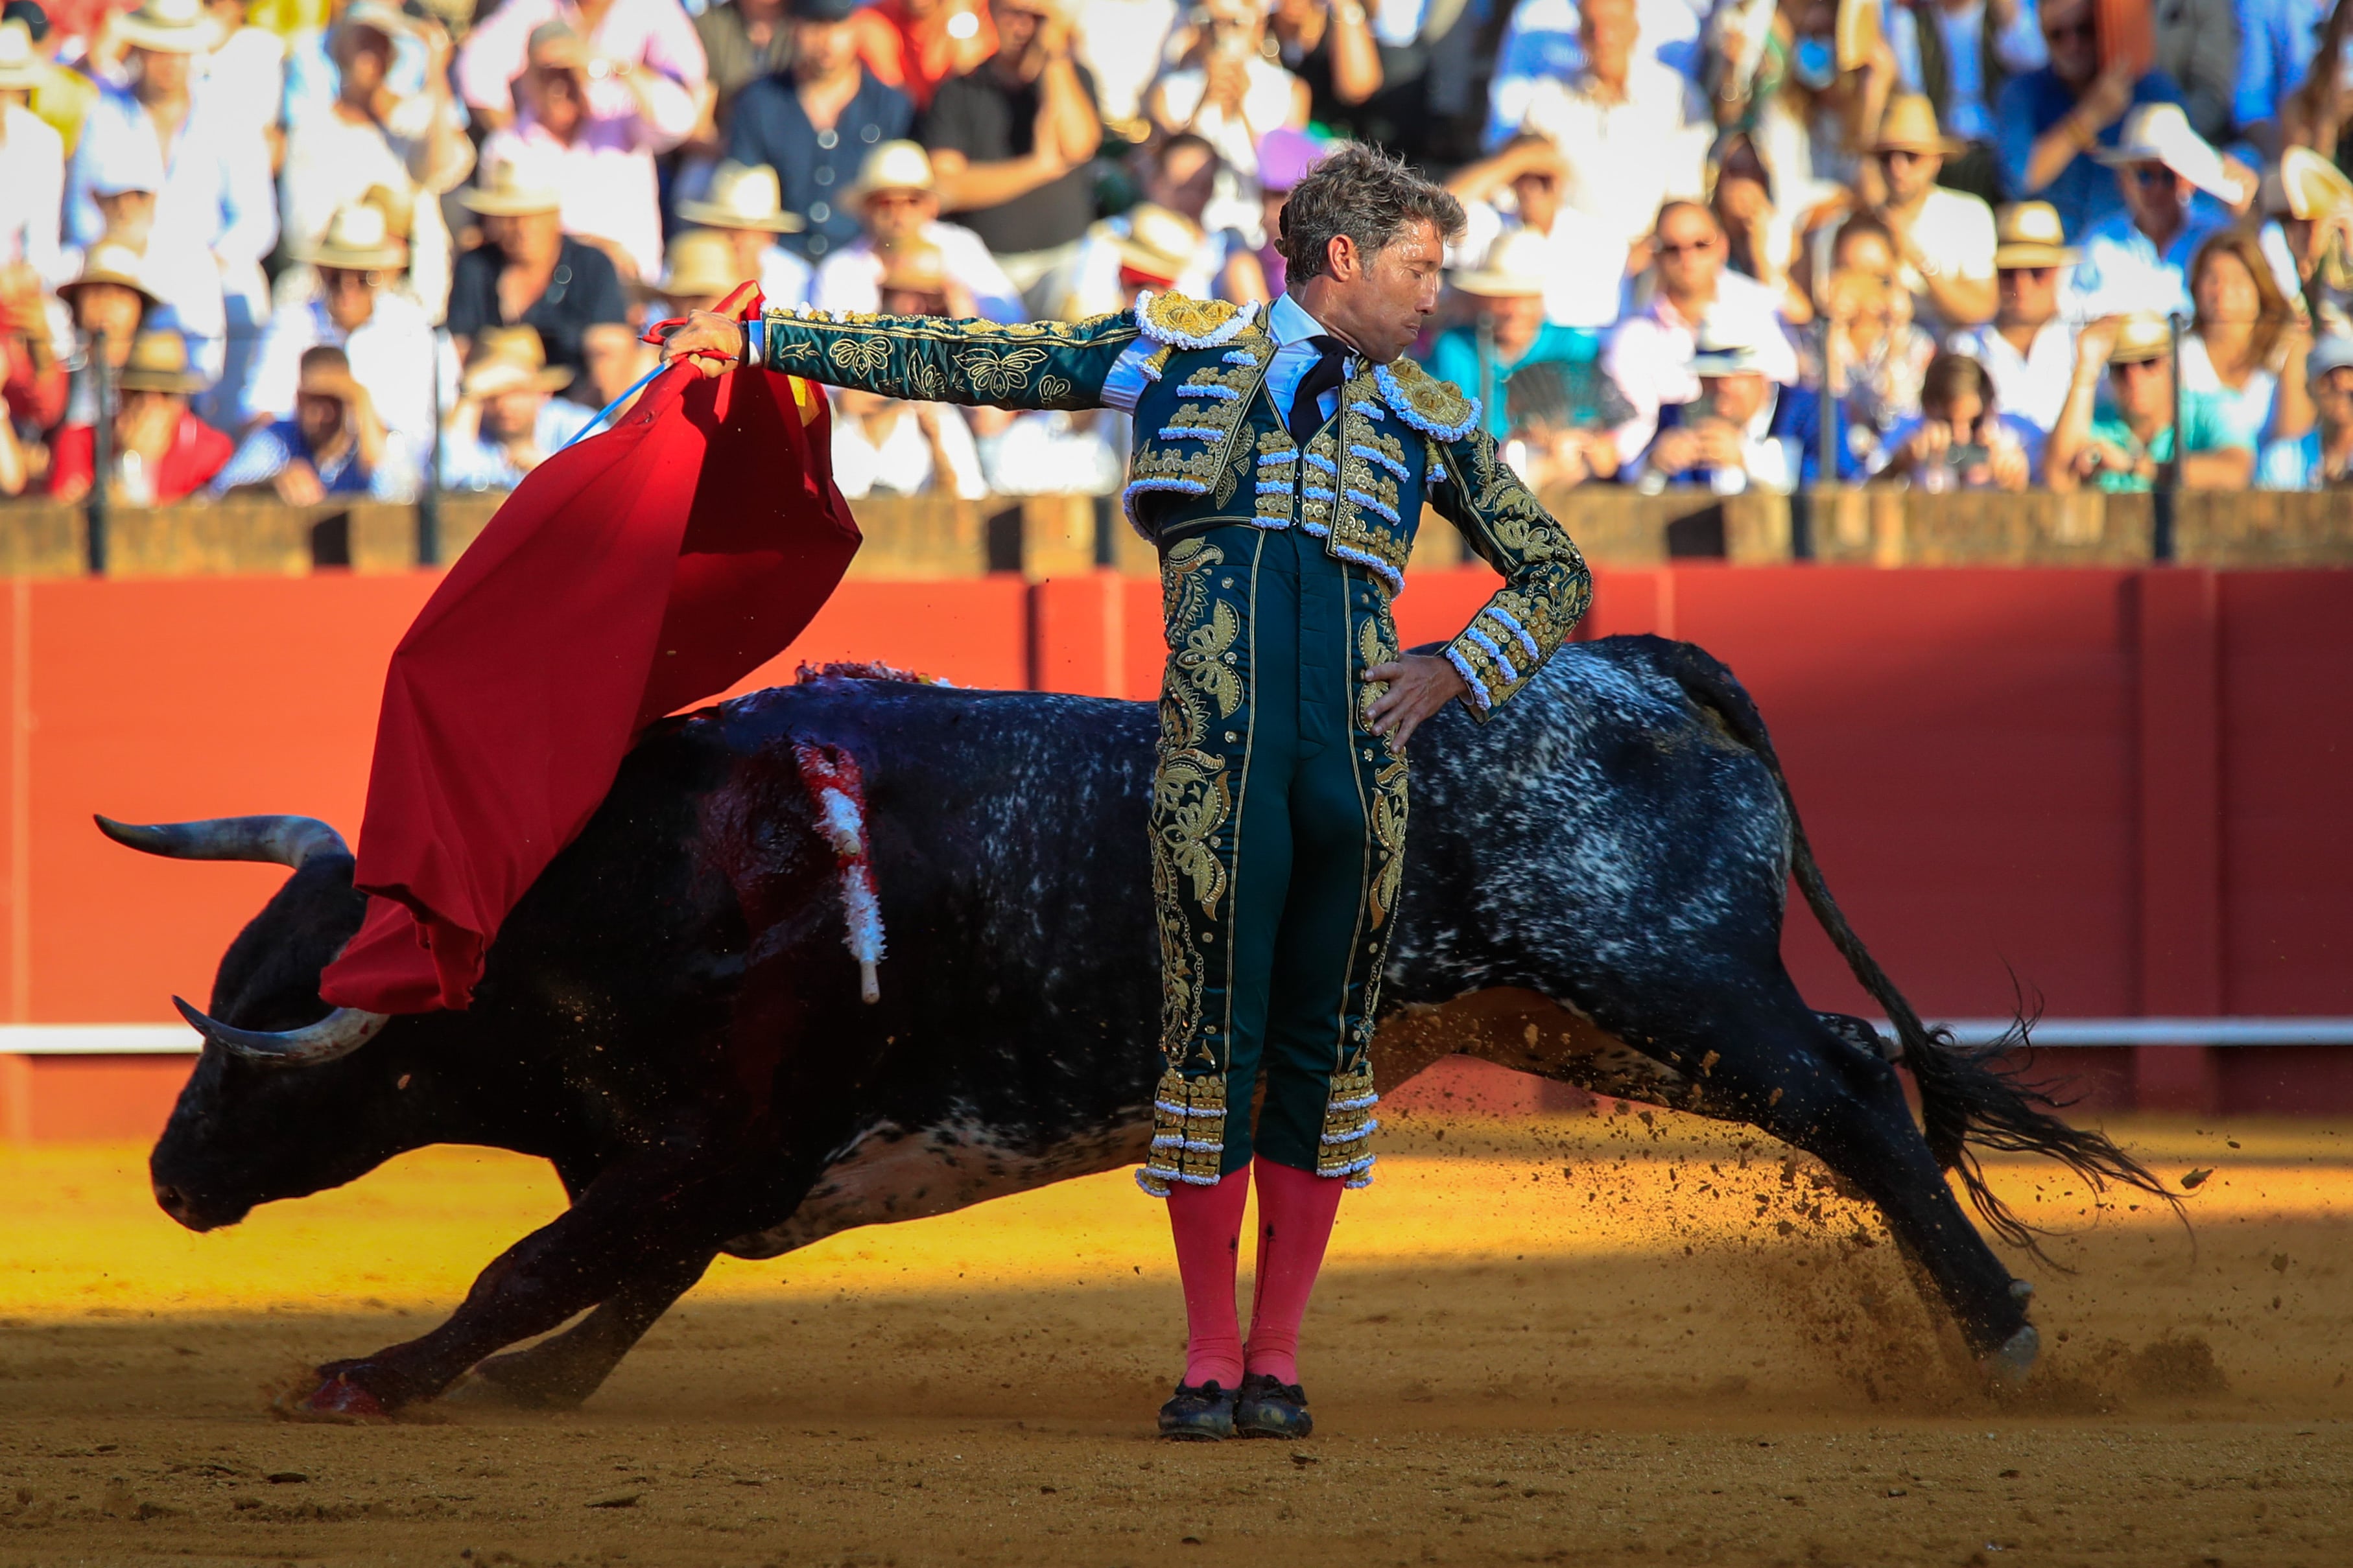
(366, 137)
(32, 165)
(1520, 189)
(1721, 436)
(506, 424)
(1633, 131)
(2137, 262)
(744, 204)
(2029, 348)
(245, 68)
(1231, 96)
(388, 344)
(1649, 356)
(901, 447)
(215, 197)
(595, 125)
(897, 202)
(122, 178)
(1944, 239)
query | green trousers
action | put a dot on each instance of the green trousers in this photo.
(1278, 828)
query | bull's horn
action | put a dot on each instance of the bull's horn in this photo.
(339, 1034)
(278, 840)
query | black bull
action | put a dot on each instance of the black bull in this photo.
(1593, 892)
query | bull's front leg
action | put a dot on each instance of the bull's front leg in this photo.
(561, 1372)
(655, 1215)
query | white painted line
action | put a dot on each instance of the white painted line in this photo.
(98, 1041)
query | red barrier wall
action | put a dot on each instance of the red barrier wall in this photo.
(2127, 787)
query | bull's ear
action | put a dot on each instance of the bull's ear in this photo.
(271, 840)
(339, 1034)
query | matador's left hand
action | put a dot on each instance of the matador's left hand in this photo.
(1420, 685)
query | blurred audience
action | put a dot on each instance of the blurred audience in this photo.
(2050, 120)
(161, 451)
(386, 343)
(915, 45)
(2239, 330)
(1013, 142)
(743, 41)
(32, 165)
(815, 124)
(1229, 93)
(897, 203)
(1721, 437)
(2198, 46)
(2322, 458)
(2124, 441)
(1960, 440)
(528, 272)
(1507, 331)
(506, 423)
(1956, 54)
(333, 444)
(2173, 187)
(641, 55)
(1943, 238)
(1648, 355)
(1519, 191)
(880, 444)
(745, 204)
(2028, 348)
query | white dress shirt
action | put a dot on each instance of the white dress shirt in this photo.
(2032, 385)
(1287, 323)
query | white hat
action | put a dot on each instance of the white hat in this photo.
(2160, 133)
(1726, 345)
(111, 261)
(1159, 243)
(20, 71)
(358, 238)
(166, 27)
(743, 195)
(1513, 267)
(895, 166)
(510, 188)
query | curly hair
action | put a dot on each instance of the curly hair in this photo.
(1371, 195)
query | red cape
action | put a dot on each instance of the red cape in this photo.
(628, 576)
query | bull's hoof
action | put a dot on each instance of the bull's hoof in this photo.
(2010, 1366)
(335, 1398)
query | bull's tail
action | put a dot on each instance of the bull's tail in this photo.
(1969, 1099)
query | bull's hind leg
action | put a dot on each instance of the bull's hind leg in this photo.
(1781, 1069)
(564, 1369)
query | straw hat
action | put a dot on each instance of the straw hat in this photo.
(510, 189)
(1159, 243)
(20, 71)
(374, 17)
(1725, 347)
(358, 238)
(743, 195)
(166, 27)
(2030, 234)
(895, 166)
(2160, 133)
(159, 363)
(510, 358)
(1909, 125)
(2141, 337)
(1512, 269)
(2306, 186)
(111, 261)
(700, 262)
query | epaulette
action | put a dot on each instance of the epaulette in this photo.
(1181, 321)
(1432, 406)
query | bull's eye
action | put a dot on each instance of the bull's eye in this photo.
(403, 1083)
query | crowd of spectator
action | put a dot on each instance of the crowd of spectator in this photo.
(306, 248)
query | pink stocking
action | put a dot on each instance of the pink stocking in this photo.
(1295, 1211)
(1207, 1224)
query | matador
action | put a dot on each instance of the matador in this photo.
(1282, 461)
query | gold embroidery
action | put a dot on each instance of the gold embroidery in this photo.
(1191, 799)
(1373, 649)
(1154, 461)
(1389, 833)
(1423, 394)
(859, 356)
(1188, 1132)
(1052, 389)
(1347, 1141)
(1178, 317)
(1000, 374)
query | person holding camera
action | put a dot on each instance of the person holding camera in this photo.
(1959, 440)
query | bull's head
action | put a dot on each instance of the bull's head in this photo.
(278, 1105)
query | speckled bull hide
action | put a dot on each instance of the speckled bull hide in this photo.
(1593, 893)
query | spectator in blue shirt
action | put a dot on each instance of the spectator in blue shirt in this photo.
(2174, 187)
(2322, 458)
(333, 446)
(2051, 119)
(815, 124)
(2277, 39)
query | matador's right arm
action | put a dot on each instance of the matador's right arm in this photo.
(1041, 365)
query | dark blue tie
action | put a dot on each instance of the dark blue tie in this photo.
(1326, 374)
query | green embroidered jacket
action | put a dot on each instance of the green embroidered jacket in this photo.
(1210, 447)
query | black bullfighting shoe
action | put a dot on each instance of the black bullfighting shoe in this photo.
(1203, 1415)
(1272, 1409)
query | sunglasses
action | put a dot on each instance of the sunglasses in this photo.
(1692, 247)
(2037, 274)
(332, 279)
(1895, 155)
(2152, 176)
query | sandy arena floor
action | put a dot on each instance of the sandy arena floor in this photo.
(1588, 1340)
